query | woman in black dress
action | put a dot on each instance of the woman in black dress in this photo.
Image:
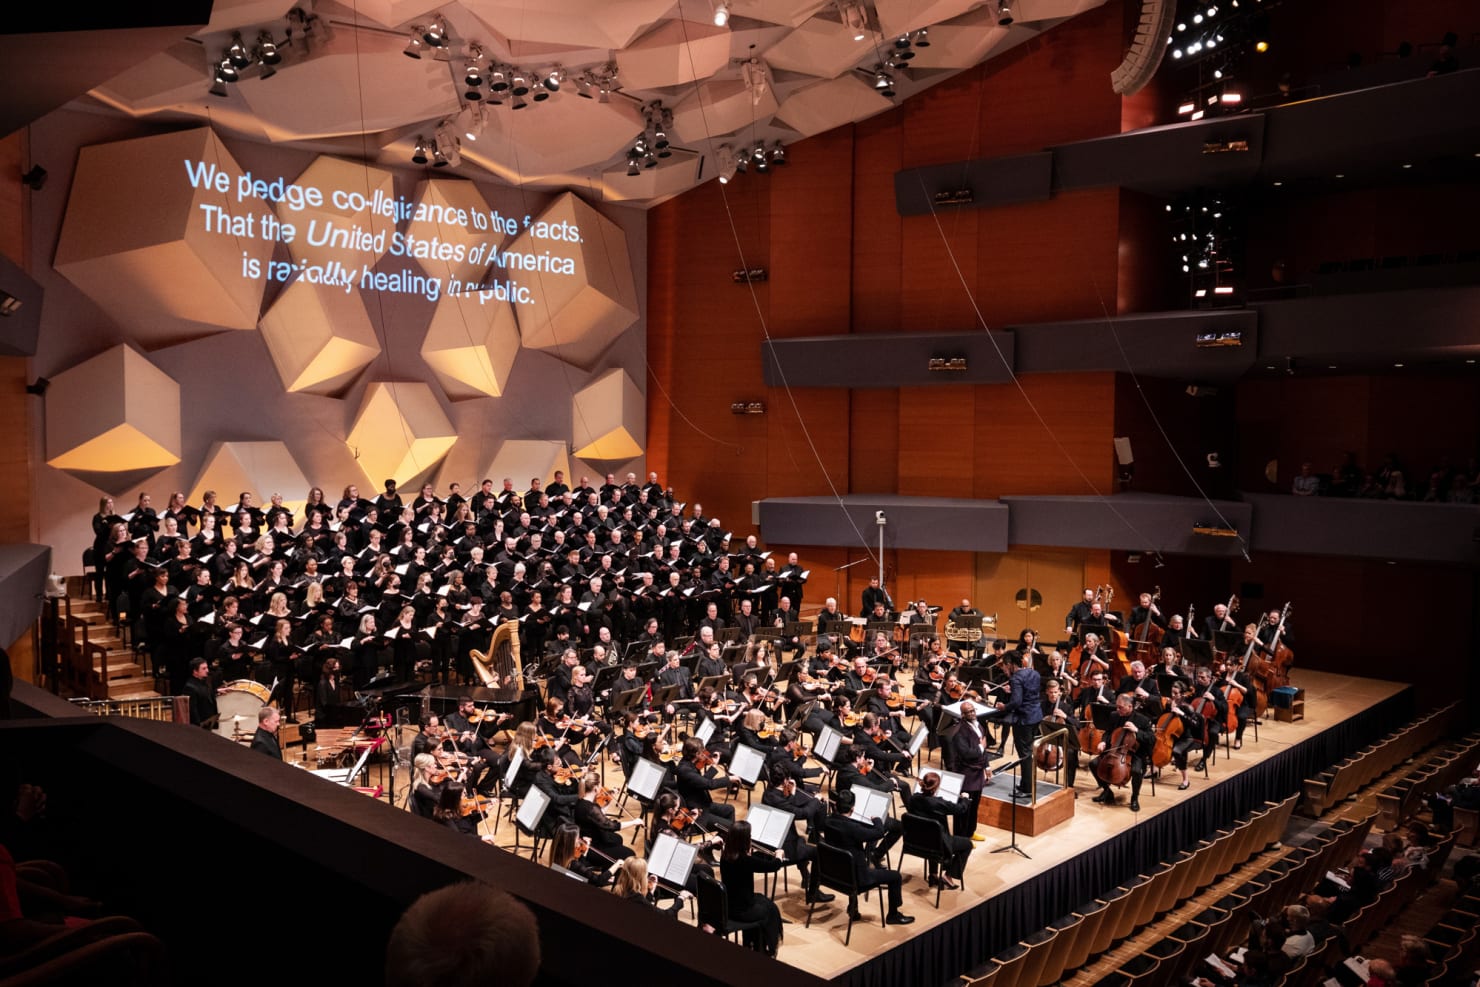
(738, 867)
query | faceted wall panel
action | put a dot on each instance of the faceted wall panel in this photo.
(576, 316)
(161, 256)
(319, 337)
(399, 433)
(259, 468)
(471, 346)
(674, 54)
(113, 413)
(609, 418)
(336, 229)
(449, 195)
(523, 459)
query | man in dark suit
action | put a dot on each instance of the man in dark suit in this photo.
(782, 793)
(694, 787)
(1125, 716)
(970, 754)
(1022, 711)
(265, 739)
(202, 696)
(846, 833)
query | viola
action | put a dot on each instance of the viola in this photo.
(683, 818)
(474, 803)
(570, 774)
(603, 797)
(705, 759)
(852, 719)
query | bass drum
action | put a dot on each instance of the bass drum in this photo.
(238, 704)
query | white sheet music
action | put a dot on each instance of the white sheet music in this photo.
(532, 809)
(746, 764)
(872, 803)
(514, 763)
(916, 742)
(769, 825)
(950, 785)
(671, 860)
(646, 778)
(828, 741)
(704, 730)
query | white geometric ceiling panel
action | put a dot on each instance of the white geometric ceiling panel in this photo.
(788, 12)
(1053, 10)
(541, 141)
(331, 226)
(454, 198)
(159, 250)
(674, 54)
(331, 93)
(830, 104)
(173, 76)
(609, 418)
(822, 47)
(470, 345)
(968, 39)
(720, 106)
(898, 17)
(390, 13)
(575, 22)
(670, 177)
(577, 312)
(232, 15)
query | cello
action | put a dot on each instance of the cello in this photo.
(1149, 634)
(1114, 766)
(1258, 670)
(1281, 657)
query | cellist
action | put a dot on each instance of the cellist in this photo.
(1192, 725)
(1213, 708)
(1236, 678)
(1057, 712)
(1126, 716)
(1091, 658)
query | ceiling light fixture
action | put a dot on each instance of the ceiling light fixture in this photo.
(237, 53)
(419, 155)
(922, 38)
(778, 154)
(854, 17)
(518, 82)
(470, 121)
(414, 46)
(724, 161)
(634, 166)
(721, 13)
(498, 79)
(753, 73)
(883, 82)
(435, 33)
(1004, 13)
(226, 70)
(267, 49)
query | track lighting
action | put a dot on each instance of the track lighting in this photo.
(414, 45)
(419, 156)
(922, 38)
(884, 82)
(226, 70)
(267, 49)
(633, 168)
(554, 78)
(1004, 12)
(753, 73)
(237, 54)
(470, 122)
(724, 162)
(435, 33)
(472, 72)
(520, 102)
(855, 18)
(778, 154)
(721, 13)
(519, 83)
(218, 84)
(498, 79)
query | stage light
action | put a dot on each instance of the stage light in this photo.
(884, 82)
(267, 50)
(1183, 110)
(854, 17)
(724, 163)
(472, 72)
(519, 103)
(519, 83)
(415, 45)
(419, 156)
(922, 38)
(554, 78)
(722, 13)
(471, 122)
(498, 79)
(1261, 46)
(1004, 13)
(435, 33)
(237, 54)
(218, 84)
(778, 154)
(226, 71)
(633, 169)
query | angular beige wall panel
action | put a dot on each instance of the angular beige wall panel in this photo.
(609, 418)
(344, 235)
(135, 239)
(448, 196)
(471, 346)
(675, 53)
(575, 23)
(721, 106)
(399, 433)
(114, 412)
(825, 105)
(522, 459)
(578, 315)
(260, 468)
(319, 337)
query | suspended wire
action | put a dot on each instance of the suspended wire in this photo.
(760, 313)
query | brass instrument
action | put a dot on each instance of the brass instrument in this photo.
(502, 663)
(970, 635)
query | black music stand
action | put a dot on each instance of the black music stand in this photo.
(1228, 642)
(1013, 846)
(1196, 652)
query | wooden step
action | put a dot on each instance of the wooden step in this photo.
(132, 687)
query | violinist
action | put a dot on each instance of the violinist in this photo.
(1180, 706)
(569, 852)
(755, 697)
(1058, 712)
(427, 783)
(601, 830)
(860, 677)
(1212, 706)
(790, 757)
(836, 717)
(724, 712)
(563, 796)
(464, 727)
(748, 732)
(929, 675)
(1142, 688)
(738, 866)
(929, 803)
(697, 777)
(885, 702)
(875, 739)
(783, 792)
(1126, 716)
(431, 739)
(634, 884)
(632, 747)
(861, 840)
(856, 767)
(580, 702)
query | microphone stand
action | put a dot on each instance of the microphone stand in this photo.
(1012, 846)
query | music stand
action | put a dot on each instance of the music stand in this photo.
(769, 826)
(605, 676)
(531, 814)
(1012, 846)
(647, 778)
(1228, 642)
(671, 860)
(713, 681)
(746, 764)
(1196, 652)
(871, 804)
(826, 747)
(623, 701)
(663, 695)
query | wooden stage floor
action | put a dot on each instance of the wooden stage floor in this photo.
(1329, 700)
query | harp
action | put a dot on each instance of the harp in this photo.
(501, 665)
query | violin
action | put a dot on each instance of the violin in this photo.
(705, 759)
(671, 755)
(437, 777)
(869, 675)
(852, 719)
(683, 818)
(543, 740)
(768, 730)
(798, 750)
(474, 803)
(603, 796)
(569, 774)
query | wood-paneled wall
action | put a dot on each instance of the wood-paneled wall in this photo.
(15, 421)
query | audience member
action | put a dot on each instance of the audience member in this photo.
(464, 935)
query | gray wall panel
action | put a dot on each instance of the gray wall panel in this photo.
(913, 522)
(1374, 529)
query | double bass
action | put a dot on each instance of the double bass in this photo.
(1257, 668)
(1148, 634)
(1281, 657)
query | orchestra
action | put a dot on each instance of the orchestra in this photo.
(641, 631)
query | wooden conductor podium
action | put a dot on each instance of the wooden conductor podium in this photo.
(1053, 806)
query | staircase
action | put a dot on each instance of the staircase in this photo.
(96, 661)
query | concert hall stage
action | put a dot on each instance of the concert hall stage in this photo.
(1006, 898)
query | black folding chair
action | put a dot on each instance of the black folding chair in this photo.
(834, 868)
(925, 837)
